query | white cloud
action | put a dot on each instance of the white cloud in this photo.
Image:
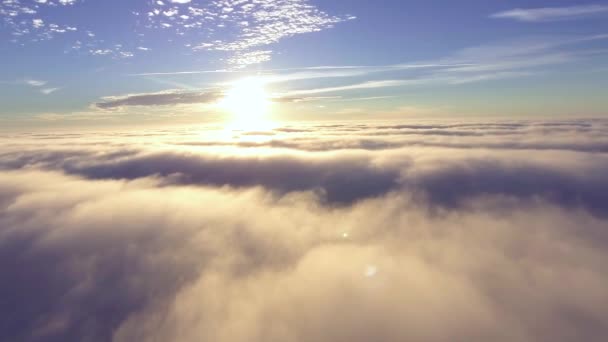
(48, 91)
(552, 13)
(241, 27)
(35, 83)
(244, 59)
(356, 86)
(342, 232)
(32, 23)
(25, 22)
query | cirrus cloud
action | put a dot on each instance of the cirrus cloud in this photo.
(552, 13)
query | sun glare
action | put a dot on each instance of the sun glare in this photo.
(247, 101)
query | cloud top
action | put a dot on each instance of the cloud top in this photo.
(325, 232)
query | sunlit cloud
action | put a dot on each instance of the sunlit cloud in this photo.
(356, 86)
(240, 27)
(491, 62)
(313, 72)
(340, 232)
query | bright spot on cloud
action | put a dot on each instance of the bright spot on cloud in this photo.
(371, 271)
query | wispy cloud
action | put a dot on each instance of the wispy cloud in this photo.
(164, 98)
(494, 61)
(439, 78)
(40, 85)
(490, 62)
(176, 97)
(35, 83)
(326, 71)
(48, 91)
(356, 86)
(552, 13)
(365, 98)
(273, 76)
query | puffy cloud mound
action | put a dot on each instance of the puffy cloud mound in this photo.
(457, 231)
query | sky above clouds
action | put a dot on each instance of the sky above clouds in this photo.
(61, 59)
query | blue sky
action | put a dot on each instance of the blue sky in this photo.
(77, 60)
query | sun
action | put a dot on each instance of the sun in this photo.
(247, 101)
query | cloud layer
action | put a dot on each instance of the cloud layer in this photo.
(419, 231)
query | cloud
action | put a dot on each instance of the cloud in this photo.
(41, 85)
(552, 13)
(314, 72)
(175, 97)
(506, 59)
(30, 22)
(35, 83)
(239, 27)
(24, 19)
(357, 86)
(48, 91)
(242, 30)
(348, 164)
(142, 235)
(244, 59)
(489, 62)
(164, 98)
